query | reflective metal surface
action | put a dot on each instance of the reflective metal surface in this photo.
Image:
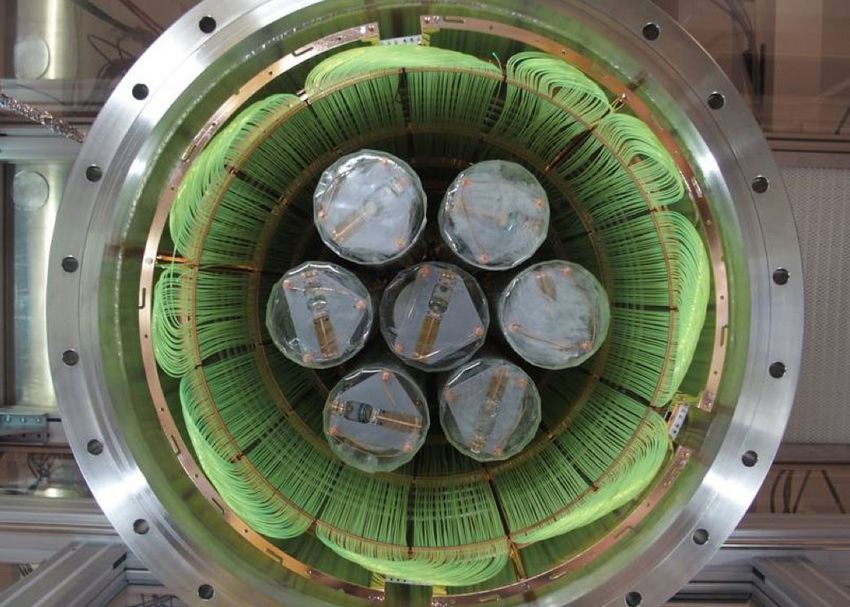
(35, 193)
(108, 212)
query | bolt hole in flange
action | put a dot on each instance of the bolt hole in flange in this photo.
(651, 31)
(70, 264)
(701, 537)
(206, 592)
(70, 357)
(760, 184)
(207, 24)
(634, 599)
(94, 173)
(94, 447)
(781, 276)
(141, 526)
(716, 101)
(750, 459)
(140, 91)
(777, 370)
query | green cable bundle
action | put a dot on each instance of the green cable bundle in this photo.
(254, 419)
(601, 462)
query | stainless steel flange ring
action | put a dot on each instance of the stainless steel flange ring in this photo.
(111, 209)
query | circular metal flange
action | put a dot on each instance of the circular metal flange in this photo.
(133, 469)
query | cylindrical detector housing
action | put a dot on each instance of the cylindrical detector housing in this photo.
(376, 418)
(434, 316)
(319, 315)
(489, 409)
(554, 314)
(495, 215)
(370, 208)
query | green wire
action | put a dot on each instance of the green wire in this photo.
(254, 418)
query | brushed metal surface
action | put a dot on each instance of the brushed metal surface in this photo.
(36, 191)
(189, 73)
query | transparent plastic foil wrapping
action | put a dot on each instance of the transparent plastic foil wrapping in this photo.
(495, 215)
(554, 314)
(434, 316)
(376, 418)
(369, 208)
(319, 315)
(490, 409)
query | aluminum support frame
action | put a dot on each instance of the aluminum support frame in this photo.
(80, 575)
(33, 529)
(797, 582)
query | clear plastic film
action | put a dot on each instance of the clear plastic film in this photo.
(554, 314)
(434, 316)
(376, 418)
(495, 215)
(369, 208)
(319, 315)
(490, 409)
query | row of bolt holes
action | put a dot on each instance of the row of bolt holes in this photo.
(70, 264)
(715, 101)
(760, 184)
